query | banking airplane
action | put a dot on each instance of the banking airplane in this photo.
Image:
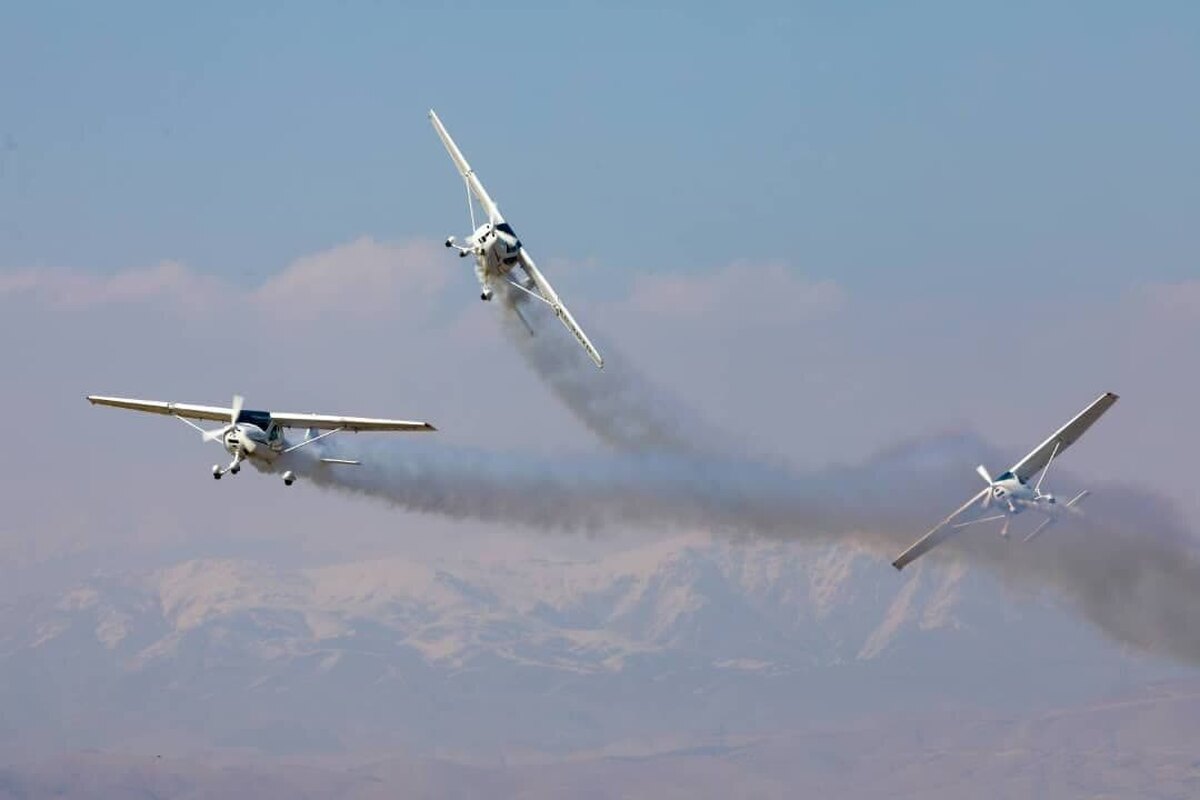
(258, 435)
(1011, 491)
(497, 249)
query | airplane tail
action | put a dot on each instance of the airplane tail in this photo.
(1046, 523)
(1070, 505)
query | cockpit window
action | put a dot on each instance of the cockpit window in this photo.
(260, 419)
(504, 227)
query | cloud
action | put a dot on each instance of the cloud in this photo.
(169, 280)
(365, 277)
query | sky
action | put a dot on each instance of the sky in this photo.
(827, 229)
(929, 150)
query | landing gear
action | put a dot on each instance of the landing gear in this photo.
(235, 466)
(289, 478)
(486, 295)
(462, 251)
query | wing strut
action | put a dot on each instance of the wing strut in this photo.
(470, 203)
(189, 423)
(307, 442)
(530, 292)
(1037, 489)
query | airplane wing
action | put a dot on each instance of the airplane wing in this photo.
(214, 413)
(222, 414)
(940, 533)
(464, 169)
(547, 292)
(354, 424)
(1064, 437)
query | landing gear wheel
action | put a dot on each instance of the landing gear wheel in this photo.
(235, 469)
(216, 472)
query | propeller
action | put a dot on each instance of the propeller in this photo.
(219, 433)
(983, 473)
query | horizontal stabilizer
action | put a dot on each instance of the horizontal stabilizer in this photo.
(1033, 533)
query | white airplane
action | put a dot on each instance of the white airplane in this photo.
(1011, 490)
(258, 435)
(497, 249)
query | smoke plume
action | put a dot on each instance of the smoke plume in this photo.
(1130, 566)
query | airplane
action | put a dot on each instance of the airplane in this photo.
(1011, 490)
(497, 249)
(258, 436)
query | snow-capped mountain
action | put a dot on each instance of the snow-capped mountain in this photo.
(682, 637)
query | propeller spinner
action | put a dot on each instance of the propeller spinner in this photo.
(219, 433)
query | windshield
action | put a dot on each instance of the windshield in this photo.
(260, 419)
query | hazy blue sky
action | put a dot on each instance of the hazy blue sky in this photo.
(948, 217)
(900, 149)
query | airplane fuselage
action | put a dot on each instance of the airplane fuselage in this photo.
(254, 442)
(496, 249)
(1014, 495)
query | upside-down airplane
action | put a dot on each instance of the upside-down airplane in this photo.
(258, 435)
(1011, 490)
(497, 249)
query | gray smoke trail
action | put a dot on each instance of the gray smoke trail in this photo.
(1131, 567)
(619, 405)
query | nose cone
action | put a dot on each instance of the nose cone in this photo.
(247, 436)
